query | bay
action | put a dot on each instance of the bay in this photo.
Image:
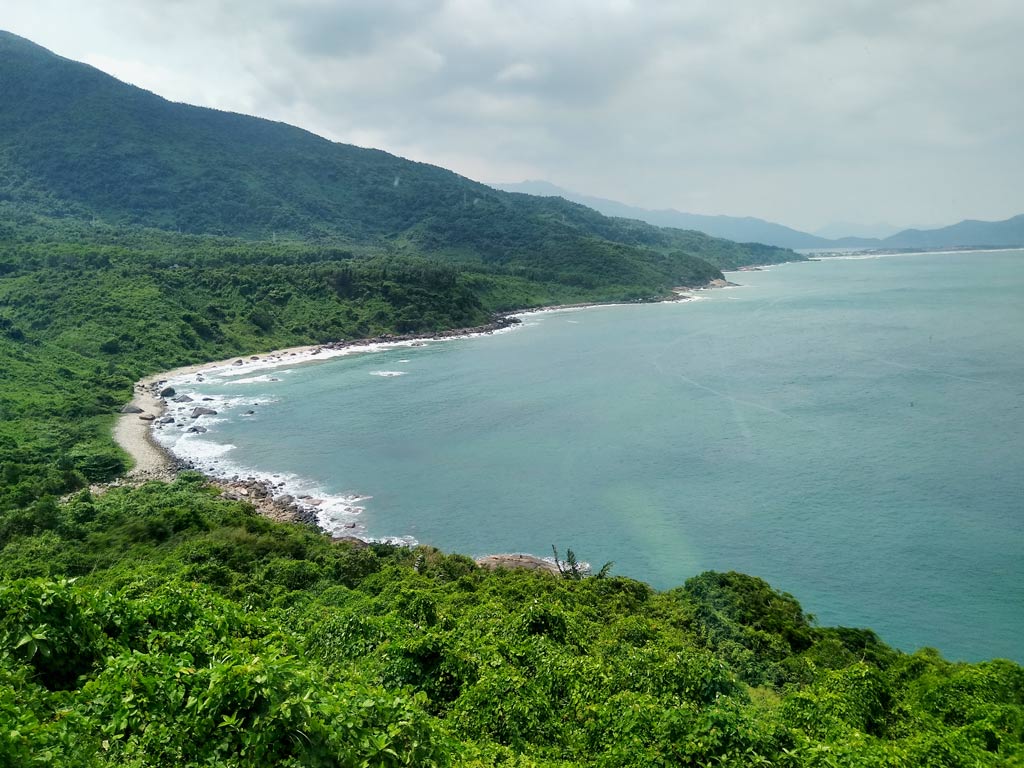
(851, 430)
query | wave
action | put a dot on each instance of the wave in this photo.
(340, 514)
(263, 378)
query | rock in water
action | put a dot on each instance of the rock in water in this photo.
(202, 411)
(167, 392)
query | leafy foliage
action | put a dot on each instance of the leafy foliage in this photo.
(185, 638)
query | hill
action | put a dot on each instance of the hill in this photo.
(1009, 232)
(742, 229)
(965, 234)
(75, 142)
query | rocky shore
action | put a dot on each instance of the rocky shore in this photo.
(133, 430)
(521, 561)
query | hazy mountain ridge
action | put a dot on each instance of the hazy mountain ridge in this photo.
(741, 229)
(1009, 232)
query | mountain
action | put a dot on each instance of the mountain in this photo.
(742, 229)
(746, 229)
(75, 142)
(970, 232)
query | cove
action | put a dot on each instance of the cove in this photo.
(850, 430)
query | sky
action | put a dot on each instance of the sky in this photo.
(901, 112)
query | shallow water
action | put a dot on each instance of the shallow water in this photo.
(851, 430)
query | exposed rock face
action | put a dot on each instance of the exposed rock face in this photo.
(526, 562)
(202, 411)
(352, 541)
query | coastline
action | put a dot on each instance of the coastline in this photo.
(134, 428)
(150, 409)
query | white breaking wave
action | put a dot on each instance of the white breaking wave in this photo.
(265, 378)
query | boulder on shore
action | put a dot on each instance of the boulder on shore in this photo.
(131, 409)
(525, 562)
(147, 416)
(352, 541)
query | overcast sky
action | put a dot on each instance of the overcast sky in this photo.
(803, 112)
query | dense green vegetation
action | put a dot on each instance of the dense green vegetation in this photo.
(165, 626)
(196, 633)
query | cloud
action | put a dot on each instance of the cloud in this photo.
(803, 113)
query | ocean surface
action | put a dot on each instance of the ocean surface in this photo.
(851, 430)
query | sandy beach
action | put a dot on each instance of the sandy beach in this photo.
(134, 434)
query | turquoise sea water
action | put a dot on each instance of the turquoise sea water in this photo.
(850, 430)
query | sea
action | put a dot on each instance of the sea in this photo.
(849, 429)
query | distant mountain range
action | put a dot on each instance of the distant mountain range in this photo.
(748, 229)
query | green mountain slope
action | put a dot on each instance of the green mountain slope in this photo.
(76, 142)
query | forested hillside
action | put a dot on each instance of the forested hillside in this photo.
(76, 142)
(164, 625)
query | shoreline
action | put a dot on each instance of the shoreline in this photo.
(135, 428)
